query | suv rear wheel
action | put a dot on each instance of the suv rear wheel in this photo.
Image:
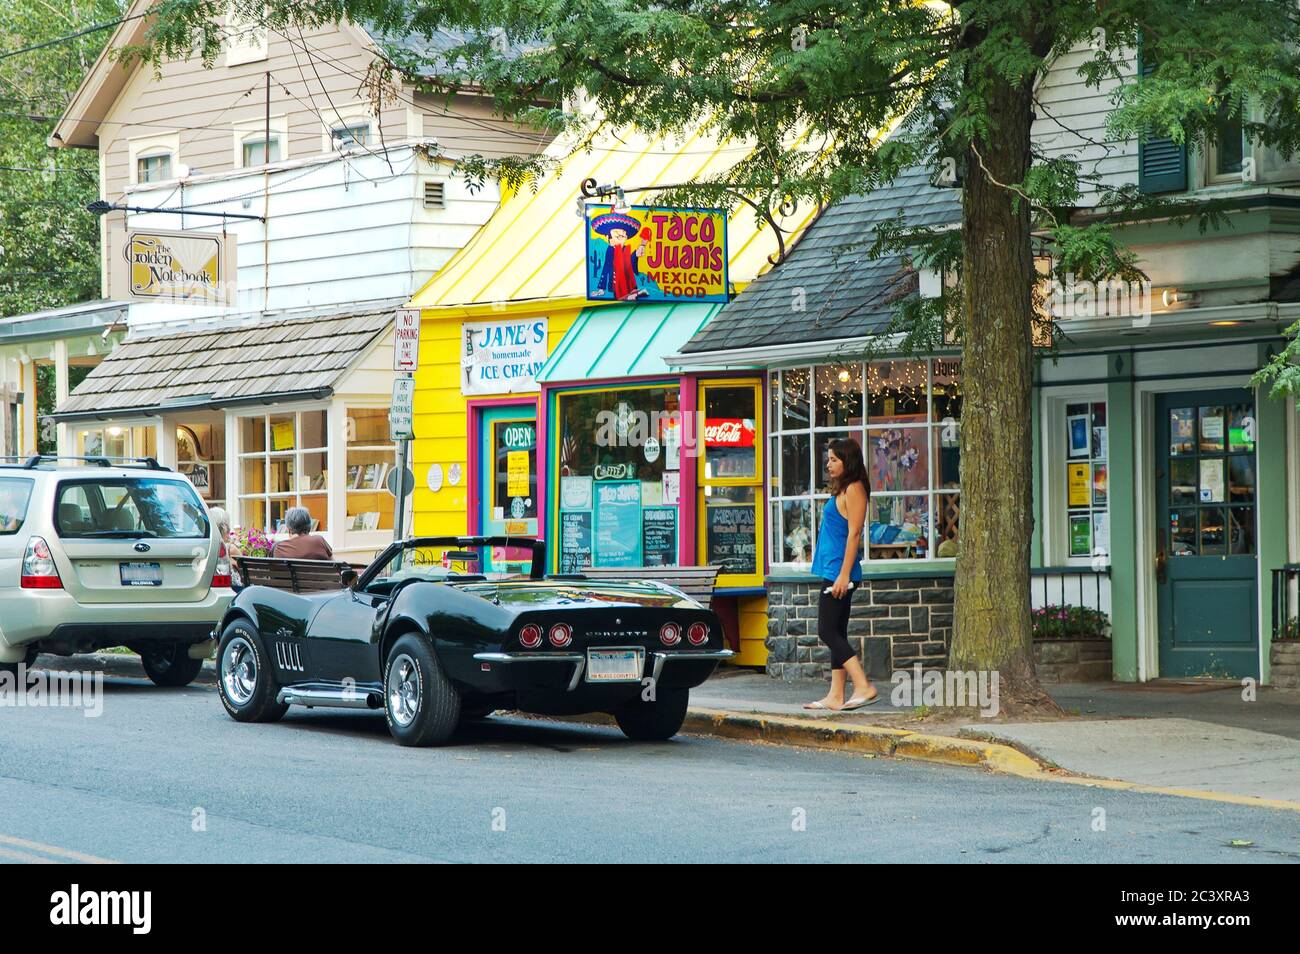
(170, 665)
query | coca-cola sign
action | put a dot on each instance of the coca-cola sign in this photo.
(728, 432)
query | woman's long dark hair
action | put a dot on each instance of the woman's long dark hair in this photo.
(850, 454)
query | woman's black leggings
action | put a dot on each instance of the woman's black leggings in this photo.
(833, 624)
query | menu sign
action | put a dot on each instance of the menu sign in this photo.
(732, 538)
(659, 536)
(575, 541)
(618, 523)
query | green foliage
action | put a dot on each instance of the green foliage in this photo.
(1281, 375)
(49, 244)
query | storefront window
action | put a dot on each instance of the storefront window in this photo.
(731, 481)
(620, 478)
(370, 458)
(117, 441)
(201, 456)
(282, 464)
(906, 416)
(1087, 480)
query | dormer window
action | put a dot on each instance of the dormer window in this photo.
(352, 134)
(153, 168)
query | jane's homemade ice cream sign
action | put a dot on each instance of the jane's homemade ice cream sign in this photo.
(502, 357)
(642, 253)
(186, 267)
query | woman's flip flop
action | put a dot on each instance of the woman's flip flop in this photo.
(858, 703)
(818, 705)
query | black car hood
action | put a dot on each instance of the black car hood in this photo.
(557, 594)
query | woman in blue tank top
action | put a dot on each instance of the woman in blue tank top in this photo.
(836, 561)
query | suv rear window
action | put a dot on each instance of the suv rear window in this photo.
(15, 492)
(129, 507)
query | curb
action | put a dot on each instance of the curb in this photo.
(115, 664)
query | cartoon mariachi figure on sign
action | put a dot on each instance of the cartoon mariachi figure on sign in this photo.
(622, 263)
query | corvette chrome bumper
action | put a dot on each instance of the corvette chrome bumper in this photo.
(579, 660)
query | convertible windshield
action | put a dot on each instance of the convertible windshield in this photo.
(478, 562)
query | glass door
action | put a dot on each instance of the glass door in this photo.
(1206, 564)
(507, 476)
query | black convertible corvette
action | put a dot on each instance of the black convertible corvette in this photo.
(421, 635)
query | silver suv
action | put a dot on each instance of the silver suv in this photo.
(108, 552)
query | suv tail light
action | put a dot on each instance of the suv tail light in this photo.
(670, 634)
(530, 637)
(561, 635)
(697, 634)
(39, 571)
(221, 577)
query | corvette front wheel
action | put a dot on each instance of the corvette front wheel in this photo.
(244, 679)
(420, 703)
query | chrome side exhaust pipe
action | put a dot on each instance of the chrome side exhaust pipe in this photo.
(329, 698)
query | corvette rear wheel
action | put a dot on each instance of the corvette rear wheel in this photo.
(245, 680)
(420, 703)
(654, 721)
(170, 665)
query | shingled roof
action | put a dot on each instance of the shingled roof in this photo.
(844, 292)
(272, 359)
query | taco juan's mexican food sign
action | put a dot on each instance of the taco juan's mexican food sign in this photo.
(644, 253)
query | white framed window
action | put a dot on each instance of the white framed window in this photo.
(905, 414)
(371, 457)
(247, 39)
(153, 158)
(1231, 157)
(255, 145)
(283, 463)
(348, 126)
(1076, 478)
(350, 134)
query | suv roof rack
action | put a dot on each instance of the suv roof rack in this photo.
(35, 460)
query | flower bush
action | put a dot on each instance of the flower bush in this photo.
(252, 542)
(1070, 622)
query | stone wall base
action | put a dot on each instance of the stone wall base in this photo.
(1073, 660)
(1284, 665)
(894, 624)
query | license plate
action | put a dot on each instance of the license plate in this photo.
(141, 574)
(615, 665)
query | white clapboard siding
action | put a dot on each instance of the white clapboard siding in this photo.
(1065, 100)
(338, 231)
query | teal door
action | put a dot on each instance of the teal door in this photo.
(507, 476)
(1206, 565)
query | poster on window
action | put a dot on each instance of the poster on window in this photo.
(575, 541)
(1080, 535)
(1080, 485)
(1078, 430)
(644, 253)
(659, 536)
(618, 523)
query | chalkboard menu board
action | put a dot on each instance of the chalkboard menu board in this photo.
(575, 541)
(618, 523)
(659, 536)
(731, 539)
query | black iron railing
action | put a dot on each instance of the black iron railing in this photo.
(1286, 589)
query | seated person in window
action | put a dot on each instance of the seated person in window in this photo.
(301, 543)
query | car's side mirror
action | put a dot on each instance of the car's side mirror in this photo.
(348, 577)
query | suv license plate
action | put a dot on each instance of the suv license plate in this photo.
(141, 574)
(615, 665)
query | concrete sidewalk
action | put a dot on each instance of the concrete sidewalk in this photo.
(1192, 738)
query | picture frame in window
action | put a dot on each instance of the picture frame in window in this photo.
(1078, 429)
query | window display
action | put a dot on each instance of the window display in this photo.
(283, 464)
(1087, 480)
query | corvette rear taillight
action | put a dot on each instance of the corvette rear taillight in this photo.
(39, 571)
(670, 634)
(561, 635)
(221, 577)
(697, 634)
(530, 637)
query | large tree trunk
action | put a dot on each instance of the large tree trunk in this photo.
(991, 626)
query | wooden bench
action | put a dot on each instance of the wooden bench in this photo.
(697, 582)
(300, 576)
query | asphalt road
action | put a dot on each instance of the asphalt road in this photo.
(165, 775)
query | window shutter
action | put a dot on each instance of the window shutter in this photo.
(1162, 163)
